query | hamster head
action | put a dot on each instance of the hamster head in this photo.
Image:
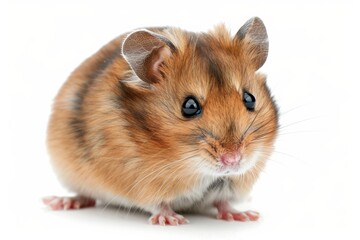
(200, 97)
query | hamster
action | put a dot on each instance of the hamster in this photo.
(166, 121)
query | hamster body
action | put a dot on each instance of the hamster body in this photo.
(165, 120)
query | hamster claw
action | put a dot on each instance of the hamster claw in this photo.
(66, 203)
(239, 216)
(172, 220)
(167, 216)
(225, 212)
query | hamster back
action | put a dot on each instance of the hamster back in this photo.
(166, 120)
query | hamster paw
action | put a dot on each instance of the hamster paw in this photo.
(226, 212)
(65, 203)
(163, 220)
(166, 216)
(239, 216)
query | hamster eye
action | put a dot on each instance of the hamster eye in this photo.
(249, 101)
(191, 107)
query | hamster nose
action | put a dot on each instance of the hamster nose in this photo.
(231, 159)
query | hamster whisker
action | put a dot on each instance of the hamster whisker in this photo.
(252, 122)
(277, 162)
(263, 152)
(273, 152)
(298, 132)
(282, 113)
(297, 122)
(270, 151)
(264, 125)
(280, 128)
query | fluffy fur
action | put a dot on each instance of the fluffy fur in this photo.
(117, 138)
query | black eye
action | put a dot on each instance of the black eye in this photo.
(191, 107)
(249, 101)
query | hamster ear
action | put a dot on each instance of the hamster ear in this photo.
(254, 39)
(145, 51)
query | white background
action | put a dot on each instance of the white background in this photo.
(309, 188)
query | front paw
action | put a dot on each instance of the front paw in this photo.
(168, 219)
(238, 216)
(226, 212)
(166, 216)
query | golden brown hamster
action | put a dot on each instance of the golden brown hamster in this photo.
(165, 120)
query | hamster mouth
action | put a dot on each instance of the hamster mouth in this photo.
(215, 168)
(213, 165)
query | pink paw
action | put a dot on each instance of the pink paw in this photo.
(239, 216)
(65, 203)
(163, 220)
(166, 216)
(226, 212)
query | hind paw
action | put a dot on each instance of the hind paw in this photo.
(65, 203)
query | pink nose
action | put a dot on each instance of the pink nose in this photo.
(230, 159)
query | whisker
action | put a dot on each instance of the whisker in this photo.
(265, 124)
(252, 122)
(279, 163)
(298, 132)
(297, 122)
(285, 154)
(292, 109)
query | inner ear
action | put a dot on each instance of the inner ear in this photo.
(154, 61)
(146, 51)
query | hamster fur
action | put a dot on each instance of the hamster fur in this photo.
(118, 132)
